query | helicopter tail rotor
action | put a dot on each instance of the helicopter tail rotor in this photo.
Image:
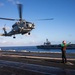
(4, 28)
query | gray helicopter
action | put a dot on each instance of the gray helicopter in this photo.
(21, 26)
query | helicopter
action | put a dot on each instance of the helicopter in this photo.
(21, 26)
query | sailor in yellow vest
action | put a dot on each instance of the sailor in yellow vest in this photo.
(63, 48)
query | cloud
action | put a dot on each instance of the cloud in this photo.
(32, 42)
(10, 43)
(11, 1)
(1, 4)
(17, 2)
(70, 35)
(14, 1)
(6, 42)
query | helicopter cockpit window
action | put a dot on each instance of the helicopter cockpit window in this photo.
(17, 23)
(23, 22)
(14, 25)
(27, 25)
(30, 25)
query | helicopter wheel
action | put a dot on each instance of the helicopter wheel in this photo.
(14, 37)
(28, 33)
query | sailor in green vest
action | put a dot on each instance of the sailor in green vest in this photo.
(63, 48)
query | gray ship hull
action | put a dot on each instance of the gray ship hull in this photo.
(51, 47)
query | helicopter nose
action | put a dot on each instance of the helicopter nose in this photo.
(33, 26)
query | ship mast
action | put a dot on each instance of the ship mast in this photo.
(47, 42)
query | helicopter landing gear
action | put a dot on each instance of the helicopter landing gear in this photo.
(28, 33)
(14, 37)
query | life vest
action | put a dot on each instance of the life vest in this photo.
(64, 47)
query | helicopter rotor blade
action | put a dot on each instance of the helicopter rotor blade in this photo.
(9, 19)
(20, 11)
(46, 19)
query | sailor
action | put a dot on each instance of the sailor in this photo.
(63, 48)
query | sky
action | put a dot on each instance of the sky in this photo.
(62, 27)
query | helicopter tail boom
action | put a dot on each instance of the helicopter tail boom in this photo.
(2, 34)
(5, 33)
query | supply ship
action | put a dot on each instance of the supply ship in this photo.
(48, 45)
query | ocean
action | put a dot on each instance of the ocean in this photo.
(33, 49)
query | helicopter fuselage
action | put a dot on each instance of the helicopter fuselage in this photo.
(21, 27)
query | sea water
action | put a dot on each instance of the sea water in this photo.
(34, 49)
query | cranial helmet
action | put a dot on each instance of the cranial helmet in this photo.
(64, 42)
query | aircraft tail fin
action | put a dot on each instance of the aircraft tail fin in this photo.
(5, 32)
